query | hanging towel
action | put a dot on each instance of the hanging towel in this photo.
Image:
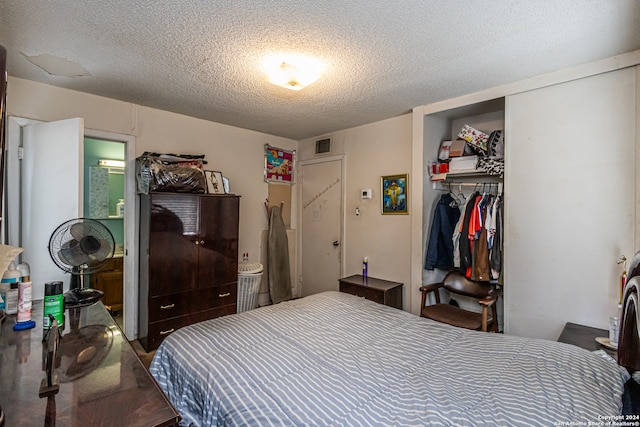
(278, 258)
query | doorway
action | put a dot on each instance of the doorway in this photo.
(103, 200)
(128, 317)
(322, 252)
(57, 176)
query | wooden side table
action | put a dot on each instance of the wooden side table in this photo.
(584, 337)
(378, 290)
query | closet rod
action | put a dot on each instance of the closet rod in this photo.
(451, 185)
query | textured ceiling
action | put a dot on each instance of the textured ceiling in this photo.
(202, 57)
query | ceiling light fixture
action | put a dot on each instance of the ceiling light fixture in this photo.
(111, 163)
(292, 72)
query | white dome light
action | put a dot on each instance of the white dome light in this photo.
(292, 71)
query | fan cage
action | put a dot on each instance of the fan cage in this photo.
(62, 234)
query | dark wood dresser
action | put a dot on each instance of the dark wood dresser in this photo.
(188, 261)
(102, 382)
(378, 290)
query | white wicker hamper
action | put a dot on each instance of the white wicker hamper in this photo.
(249, 276)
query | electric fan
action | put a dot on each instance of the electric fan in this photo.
(81, 246)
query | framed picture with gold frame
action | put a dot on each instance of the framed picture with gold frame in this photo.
(395, 194)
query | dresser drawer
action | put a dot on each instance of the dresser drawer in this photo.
(173, 305)
(160, 330)
(378, 290)
(371, 294)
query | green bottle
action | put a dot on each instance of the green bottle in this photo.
(53, 304)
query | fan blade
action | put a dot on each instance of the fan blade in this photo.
(79, 230)
(67, 251)
(70, 244)
(73, 256)
(104, 251)
(90, 244)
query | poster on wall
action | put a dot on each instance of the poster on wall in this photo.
(395, 194)
(278, 165)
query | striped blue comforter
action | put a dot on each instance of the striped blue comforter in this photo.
(333, 359)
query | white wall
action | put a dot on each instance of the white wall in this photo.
(570, 202)
(238, 153)
(371, 151)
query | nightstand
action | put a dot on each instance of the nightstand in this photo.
(584, 337)
(378, 290)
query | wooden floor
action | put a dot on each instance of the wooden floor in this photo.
(142, 353)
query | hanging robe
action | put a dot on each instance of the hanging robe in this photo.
(278, 258)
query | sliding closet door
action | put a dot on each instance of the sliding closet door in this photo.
(570, 202)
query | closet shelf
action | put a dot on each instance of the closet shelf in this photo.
(476, 175)
(466, 174)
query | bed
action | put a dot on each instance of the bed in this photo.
(333, 359)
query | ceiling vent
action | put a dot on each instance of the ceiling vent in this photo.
(323, 146)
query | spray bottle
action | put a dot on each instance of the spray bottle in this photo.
(53, 304)
(365, 268)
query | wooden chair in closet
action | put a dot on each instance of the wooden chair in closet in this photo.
(456, 283)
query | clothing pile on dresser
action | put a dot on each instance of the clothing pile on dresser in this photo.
(466, 235)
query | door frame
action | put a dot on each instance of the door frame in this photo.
(14, 137)
(131, 235)
(342, 158)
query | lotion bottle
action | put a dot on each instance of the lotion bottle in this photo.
(25, 271)
(24, 302)
(10, 276)
(120, 208)
(11, 299)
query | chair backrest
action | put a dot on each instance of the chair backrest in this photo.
(457, 283)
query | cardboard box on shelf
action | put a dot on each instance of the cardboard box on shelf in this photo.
(463, 164)
(457, 148)
(474, 137)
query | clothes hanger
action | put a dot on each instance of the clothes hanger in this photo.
(266, 206)
(459, 196)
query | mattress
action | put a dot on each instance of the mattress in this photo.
(334, 359)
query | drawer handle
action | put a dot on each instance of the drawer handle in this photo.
(167, 332)
(167, 307)
(224, 295)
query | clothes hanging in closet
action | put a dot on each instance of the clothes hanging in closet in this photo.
(465, 244)
(439, 252)
(480, 238)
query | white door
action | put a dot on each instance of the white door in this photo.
(321, 225)
(52, 185)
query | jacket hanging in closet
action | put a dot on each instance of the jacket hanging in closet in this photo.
(439, 252)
